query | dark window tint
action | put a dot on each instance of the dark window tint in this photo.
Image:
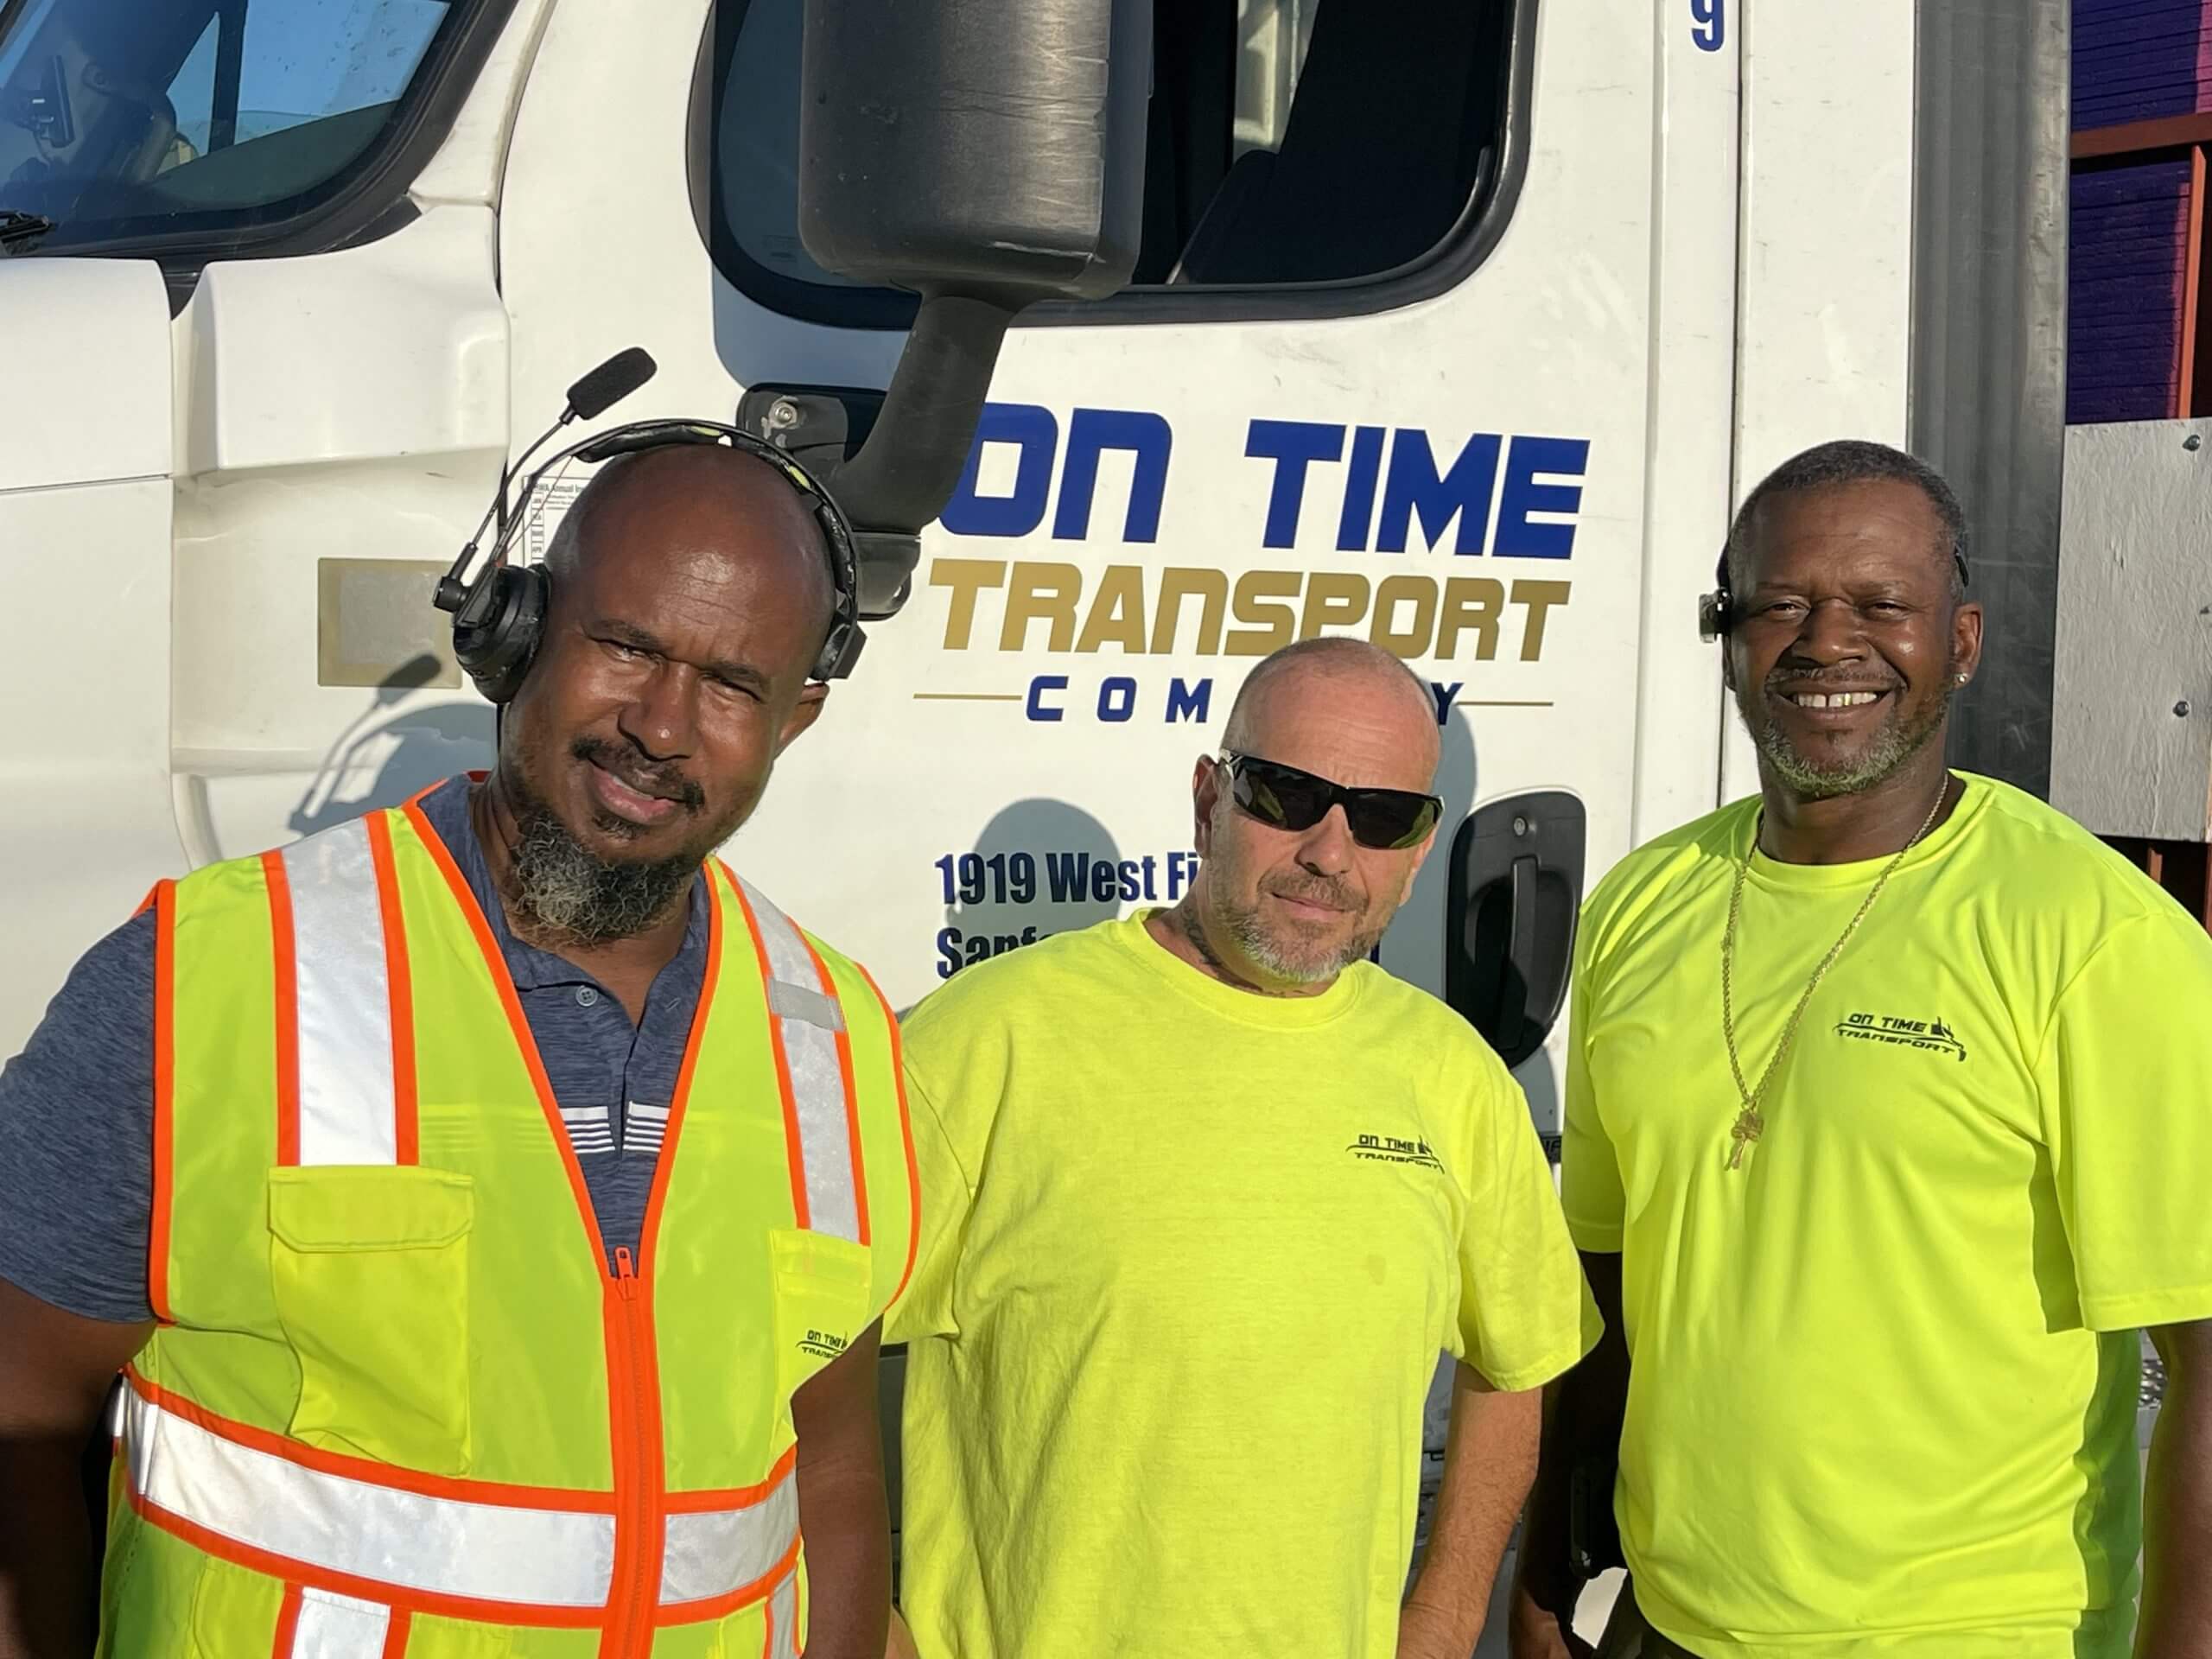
(1290, 141)
(133, 122)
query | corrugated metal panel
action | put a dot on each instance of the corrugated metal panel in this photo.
(2124, 311)
(2140, 60)
(1989, 342)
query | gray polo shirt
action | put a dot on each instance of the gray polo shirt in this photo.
(77, 1105)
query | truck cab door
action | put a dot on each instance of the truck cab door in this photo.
(84, 583)
(256, 375)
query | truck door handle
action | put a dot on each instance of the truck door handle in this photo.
(1520, 957)
(1514, 888)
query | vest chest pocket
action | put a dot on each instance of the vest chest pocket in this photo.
(371, 1272)
(822, 1300)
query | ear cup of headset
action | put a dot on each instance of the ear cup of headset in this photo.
(1716, 611)
(839, 651)
(496, 634)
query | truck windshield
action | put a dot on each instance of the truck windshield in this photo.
(126, 120)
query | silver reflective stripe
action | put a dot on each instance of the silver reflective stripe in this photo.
(721, 1552)
(412, 1541)
(797, 1002)
(339, 1627)
(783, 1615)
(346, 1110)
(817, 1074)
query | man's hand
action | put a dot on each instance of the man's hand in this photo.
(55, 1372)
(1532, 1633)
(1583, 1412)
(1490, 1457)
(2176, 1621)
(844, 1512)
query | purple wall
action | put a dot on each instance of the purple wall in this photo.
(2138, 59)
(2123, 324)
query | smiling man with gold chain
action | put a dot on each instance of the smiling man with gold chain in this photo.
(1887, 1109)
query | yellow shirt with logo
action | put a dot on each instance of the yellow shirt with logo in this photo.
(1190, 1257)
(1884, 1377)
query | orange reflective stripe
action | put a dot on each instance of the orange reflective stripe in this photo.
(511, 1004)
(288, 1008)
(906, 1134)
(780, 1639)
(708, 978)
(639, 1434)
(164, 1192)
(404, 1105)
(396, 1634)
(287, 1623)
(814, 1060)
(635, 1433)
(641, 1549)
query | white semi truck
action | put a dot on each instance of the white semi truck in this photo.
(1456, 324)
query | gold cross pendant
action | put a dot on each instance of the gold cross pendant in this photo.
(1749, 1127)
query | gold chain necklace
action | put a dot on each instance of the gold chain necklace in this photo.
(1749, 1125)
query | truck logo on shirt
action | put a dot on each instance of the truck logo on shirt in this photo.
(1392, 1149)
(824, 1344)
(1930, 1036)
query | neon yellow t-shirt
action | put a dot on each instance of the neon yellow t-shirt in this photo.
(1884, 1377)
(1169, 1354)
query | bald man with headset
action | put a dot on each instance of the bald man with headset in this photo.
(489, 1203)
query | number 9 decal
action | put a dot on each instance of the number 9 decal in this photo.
(1709, 24)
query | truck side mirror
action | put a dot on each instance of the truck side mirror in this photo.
(987, 154)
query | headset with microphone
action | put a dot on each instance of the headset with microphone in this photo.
(499, 616)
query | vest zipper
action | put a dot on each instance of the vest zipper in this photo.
(638, 1472)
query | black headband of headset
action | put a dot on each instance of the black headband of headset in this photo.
(841, 649)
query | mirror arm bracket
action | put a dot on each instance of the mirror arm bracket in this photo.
(893, 459)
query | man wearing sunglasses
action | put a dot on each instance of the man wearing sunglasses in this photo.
(1212, 1192)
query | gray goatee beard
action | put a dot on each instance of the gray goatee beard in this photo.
(564, 890)
(1893, 747)
(1283, 956)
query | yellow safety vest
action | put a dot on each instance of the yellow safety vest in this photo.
(396, 1402)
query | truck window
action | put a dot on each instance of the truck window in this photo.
(1292, 145)
(153, 125)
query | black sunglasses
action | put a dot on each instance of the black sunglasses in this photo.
(1286, 799)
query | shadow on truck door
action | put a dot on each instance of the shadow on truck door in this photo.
(1413, 948)
(384, 757)
(1039, 867)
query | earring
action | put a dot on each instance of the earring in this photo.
(1962, 679)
